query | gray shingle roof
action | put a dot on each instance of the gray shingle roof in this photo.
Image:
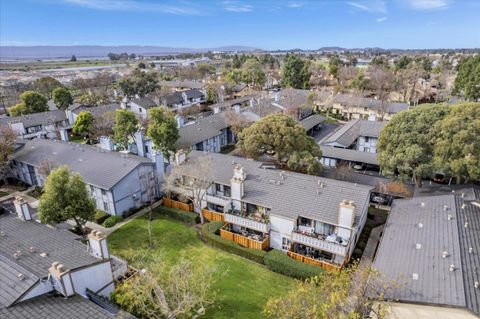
(11, 286)
(349, 155)
(398, 255)
(146, 103)
(173, 98)
(35, 119)
(183, 84)
(311, 121)
(347, 134)
(60, 245)
(193, 94)
(53, 306)
(201, 130)
(298, 194)
(98, 167)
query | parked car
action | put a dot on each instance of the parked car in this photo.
(379, 200)
(358, 167)
(439, 178)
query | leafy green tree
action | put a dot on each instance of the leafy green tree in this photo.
(286, 138)
(205, 69)
(92, 99)
(252, 73)
(45, 85)
(296, 72)
(468, 78)
(65, 197)
(62, 97)
(31, 102)
(139, 83)
(162, 129)
(212, 95)
(406, 144)
(126, 124)
(403, 62)
(83, 125)
(73, 58)
(457, 142)
(380, 61)
(235, 76)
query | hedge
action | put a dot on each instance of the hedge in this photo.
(190, 218)
(210, 233)
(112, 220)
(100, 216)
(278, 261)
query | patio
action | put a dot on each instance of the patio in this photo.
(245, 237)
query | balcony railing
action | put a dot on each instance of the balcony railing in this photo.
(176, 204)
(213, 216)
(245, 241)
(311, 261)
(246, 222)
(218, 200)
(319, 244)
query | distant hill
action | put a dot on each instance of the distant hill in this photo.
(93, 51)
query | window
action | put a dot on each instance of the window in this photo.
(92, 189)
(367, 139)
(218, 188)
(105, 206)
(140, 110)
(286, 243)
(302, 221)
(226, 191)
(104, 192)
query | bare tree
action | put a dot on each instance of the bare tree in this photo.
(183, 291)
(343, 172)
(45, 167)
(8, 140)
(103, 124)
(192, 180)
(236, 121)
(345, 74)
(381, 81)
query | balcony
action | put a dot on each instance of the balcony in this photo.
(168, 202)
(218, 200)
(319, 243)
(212, 215)
(233, 218)
(316, 262)
(252, 241)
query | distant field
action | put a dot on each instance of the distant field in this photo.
(41, 65)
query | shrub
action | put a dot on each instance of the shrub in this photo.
(111, 221)
(100, 216)
(190, 218)
(361, 244)
(278, 261)
(210, 234)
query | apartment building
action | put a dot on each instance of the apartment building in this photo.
(44, 124)
(312, 219)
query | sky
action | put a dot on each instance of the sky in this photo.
(263, 24)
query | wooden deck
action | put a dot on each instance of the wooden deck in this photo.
(244, 241)
(212, 216)
(325, 265)
(167, 202)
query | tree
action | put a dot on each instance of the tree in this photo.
(83, 125)
(62, 97)
(252, 73)
(334, 65)
(405, 145)
(236, 121)
(103, 124)
(457, 142)
(8, 139)
(65, 197)
(296, 72)
(205, 69)
(468, 78)
(126, 124)
(180, 291)
(162, 129)
(402, 63)
(381, 61)
(31, 102)
(195, 178)
(381, 81)
(141, 65)
(235, 76)
(139, 83)
(286, 138)
(73, 58)
(212, 95)
(45, 85)
(45, 167)
(335, 295)
(92, 99)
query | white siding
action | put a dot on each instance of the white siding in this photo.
(94, 278)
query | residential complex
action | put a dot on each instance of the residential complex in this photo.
(313, 219)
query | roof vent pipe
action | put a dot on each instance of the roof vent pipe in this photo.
(452, 267)
(445, 254)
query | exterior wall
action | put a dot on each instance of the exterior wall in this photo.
(213, 144)
(94, 278)
(280, 227)
(41, 288)
(137, 109)
(329, 162)
(370, 146)
(103, 200)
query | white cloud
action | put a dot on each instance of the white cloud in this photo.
(133, 5)
(236, 6)
(376, 6)
(295, 5)
(382, 19)
(428, 4)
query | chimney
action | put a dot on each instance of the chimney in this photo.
(237, 182)
(140, 142)
(180, 120)
(106, 143)
(277, 96)
(216, 109)
(159, 167)
(64, 134)
(62, 279)
(180, 157)
(22, 208)
(346, 216)
(98, 244)
(236, 108)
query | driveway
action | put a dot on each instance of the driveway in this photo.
(327, 128)
(356, 177)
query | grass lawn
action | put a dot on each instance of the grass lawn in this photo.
(243, 287)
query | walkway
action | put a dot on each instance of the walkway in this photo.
(372, 244)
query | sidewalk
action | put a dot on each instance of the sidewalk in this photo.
(372, 244)
(107, 231)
